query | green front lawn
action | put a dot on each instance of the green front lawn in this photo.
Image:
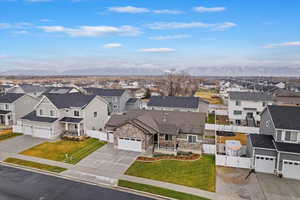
(64, 150)
(36, 165)
(159, 191)
(9, 135)
(198, 174)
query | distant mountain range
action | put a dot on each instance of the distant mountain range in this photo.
(195, 71)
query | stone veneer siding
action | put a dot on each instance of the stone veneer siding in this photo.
(130, 131)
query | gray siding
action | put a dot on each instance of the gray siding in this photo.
(266, 124)
(23, 106)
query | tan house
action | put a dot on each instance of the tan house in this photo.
(158, 131)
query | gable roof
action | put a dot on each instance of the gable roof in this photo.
(167, 122)
(288, 147)
(175, 101)
(285, 117)
(250, 96)
(262, 141)
(105, 92)
(59, 90)
(77, 100)
(29, 88)
(10, 97)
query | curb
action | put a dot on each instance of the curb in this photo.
(107, 186)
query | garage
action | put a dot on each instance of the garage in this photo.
(27, 129)
(265, 164)
(291, 169)
(41, 132)
(129, 144)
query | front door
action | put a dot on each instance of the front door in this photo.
(2, 119)
(155, 138)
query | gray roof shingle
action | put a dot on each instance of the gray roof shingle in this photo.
(9, 97)
(33, 117)
(288, 147)
(262, 141)
(76, 100)
(105, 92)
(71, 119)
(175, 102)
(250, 96)
(285, 117)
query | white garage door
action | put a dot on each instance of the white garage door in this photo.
(129, 144)
(41, 132)
(27, 130)
(291, 169)
(265, 164)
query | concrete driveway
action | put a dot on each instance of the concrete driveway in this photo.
(276, 188)
(106, 161)
(18, 144)
(233, 185)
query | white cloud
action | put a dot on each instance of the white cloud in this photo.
(284, 44)
(167, 11)
(201, 9)
(21, 32)
(128, 9)
(157, 50)
(5, 25)
(181, 25)
(169, 37)
(46, 20)
(112, 45)
(93, 31)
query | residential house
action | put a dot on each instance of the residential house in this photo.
(64, 90)
(244, 108)
(276, 150)
(13, 106)
(116, 98)
(133, 104)
(32, 90)
(158, 131)
(286, 97)
(69, 114)
(176, 103)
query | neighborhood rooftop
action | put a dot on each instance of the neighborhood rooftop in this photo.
(175, 101)
(9, 97)
(76, 100)
(250, 96)
(105, 92)
(262, 141)
(285, 117)
(162, 121)
(33, 117)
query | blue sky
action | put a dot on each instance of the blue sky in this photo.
(68, 34)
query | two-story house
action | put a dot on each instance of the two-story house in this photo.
(70, 114)
(30, 89)
(117, 98)
(176, 103)
(244, 108)
(276, 149)
(13, 106)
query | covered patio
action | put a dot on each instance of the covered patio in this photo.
(72, 126)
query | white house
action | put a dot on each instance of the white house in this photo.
(244, 108)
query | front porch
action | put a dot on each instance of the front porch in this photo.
(72, 128)
(6, 121)
(165, 144)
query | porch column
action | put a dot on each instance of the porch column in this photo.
(157, 140)
(66, 126)
(6, 120)
(78, 129)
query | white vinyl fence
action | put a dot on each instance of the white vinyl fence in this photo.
(232, 128)
(233, 161)
(209, 148)
(17, 128)
(101, 135)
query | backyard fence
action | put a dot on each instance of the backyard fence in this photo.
(233, 161)
(101, 135)
(232, 128)
(209, 148)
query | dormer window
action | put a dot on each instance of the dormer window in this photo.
(237, 103)
(76, 113)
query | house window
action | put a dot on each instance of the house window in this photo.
(95, 114)
(264, 104)
(168, 137)
(287, 136)
(237, 112)
(115, 106)
(192, 138)
(41, 112)
(279, 135)
(76, 113)
(294, 136)
(237, 103)
(6, 106)
(51, 113)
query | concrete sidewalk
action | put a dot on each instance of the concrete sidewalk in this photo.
(179, 188)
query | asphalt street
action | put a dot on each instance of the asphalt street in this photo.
(17, 184)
